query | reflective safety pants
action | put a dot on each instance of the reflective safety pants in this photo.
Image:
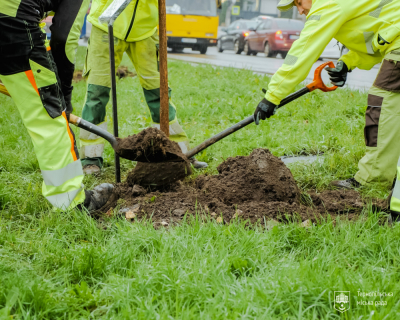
(382, 128)
(144, 56)
(28, 71)
(395, 203)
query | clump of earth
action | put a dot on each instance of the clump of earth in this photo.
(256, 188)
(149, 145)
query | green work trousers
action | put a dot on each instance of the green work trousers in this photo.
(395, 202)
(382, 128)
(28, 71)
(144, 56)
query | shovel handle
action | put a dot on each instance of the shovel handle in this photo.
(80, 123)
(316, 84)
(219, 136)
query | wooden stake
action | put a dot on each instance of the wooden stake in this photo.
(164, 112)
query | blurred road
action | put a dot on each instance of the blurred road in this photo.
(358, 79)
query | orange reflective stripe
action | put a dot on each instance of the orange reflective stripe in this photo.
(48, 48)
(71, 138)
(31, 79)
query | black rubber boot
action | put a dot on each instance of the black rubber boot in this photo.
(91, 169)
(198, 164)
(346, 184)
(98, 197)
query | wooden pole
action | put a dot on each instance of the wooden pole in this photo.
(164, 112)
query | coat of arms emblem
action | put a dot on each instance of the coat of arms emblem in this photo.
(342, 301)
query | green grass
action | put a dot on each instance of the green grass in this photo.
(68, 266)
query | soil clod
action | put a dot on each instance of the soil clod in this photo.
(149, 145)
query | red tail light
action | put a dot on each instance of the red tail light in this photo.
(278, 35)
(245, 34)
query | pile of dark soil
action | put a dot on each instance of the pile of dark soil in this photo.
(256, 188)
(149, 145)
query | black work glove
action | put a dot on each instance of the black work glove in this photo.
(264, 110)
(67, 92)
(338, 75)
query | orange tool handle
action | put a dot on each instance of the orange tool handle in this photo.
(317, 82)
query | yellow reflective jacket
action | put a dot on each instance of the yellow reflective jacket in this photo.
(137, 22)
(368, 28)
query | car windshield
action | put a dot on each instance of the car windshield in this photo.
(192, 7)
(290, 24)
(251, 24)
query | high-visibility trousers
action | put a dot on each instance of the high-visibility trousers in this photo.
(144, 56)
(382, 127)
(395, 202)
(28, 71)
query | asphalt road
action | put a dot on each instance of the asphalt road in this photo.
(358, 79)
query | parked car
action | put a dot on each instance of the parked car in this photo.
(232, 38)
(273, 36)
(261, 18)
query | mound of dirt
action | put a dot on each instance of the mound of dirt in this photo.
(258, 177)
(256, 188)
(149, 145)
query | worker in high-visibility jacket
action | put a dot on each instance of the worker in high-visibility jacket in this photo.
(42, 95)
(370, 29)
(135, 32)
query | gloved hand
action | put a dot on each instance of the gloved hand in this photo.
(264, 110)
(69, 109)
(67, 92)
(338, 75)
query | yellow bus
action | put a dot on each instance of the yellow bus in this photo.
(192, 24)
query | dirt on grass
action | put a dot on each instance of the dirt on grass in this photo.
(257, 188)
(78, 76)
(122, 72)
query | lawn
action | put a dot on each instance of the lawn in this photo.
(69, 266)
